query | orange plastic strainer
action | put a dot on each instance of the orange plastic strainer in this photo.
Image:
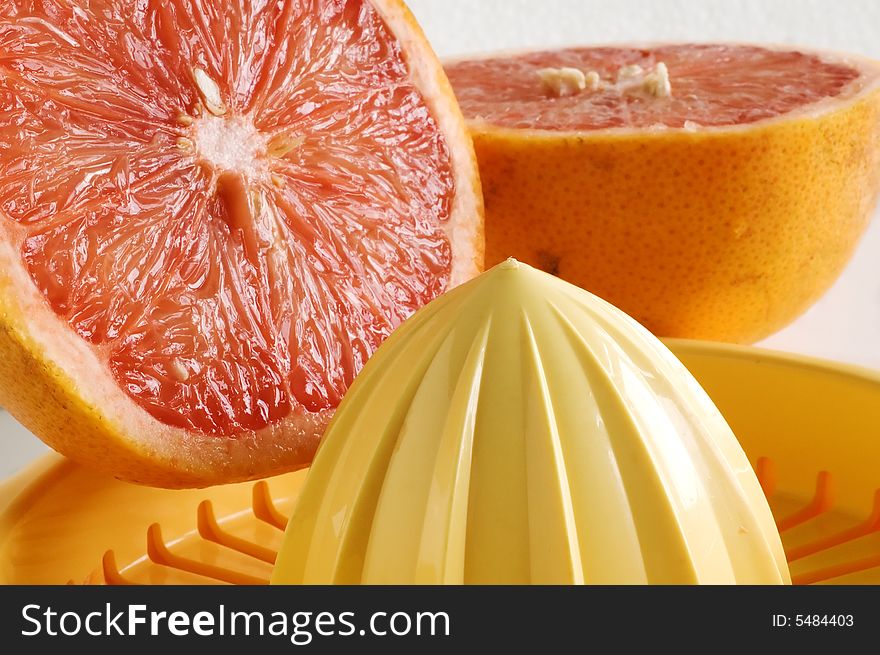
(811, 428)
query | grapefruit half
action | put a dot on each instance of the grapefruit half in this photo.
(710, 191)
(211, 214)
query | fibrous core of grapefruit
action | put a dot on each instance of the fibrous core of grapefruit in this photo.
(211, 214)
(711, 191)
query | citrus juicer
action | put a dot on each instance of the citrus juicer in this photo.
(520, 430)
(809, 429)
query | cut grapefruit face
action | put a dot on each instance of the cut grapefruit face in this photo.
(709, 85)
(211, 214)
(711, 191)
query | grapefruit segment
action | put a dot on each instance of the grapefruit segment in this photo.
(231, 205)
(711, 191)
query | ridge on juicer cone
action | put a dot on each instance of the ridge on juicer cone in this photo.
(711, 191)
(211, 214)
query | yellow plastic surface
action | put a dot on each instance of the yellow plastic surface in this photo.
(520, 430)
(58, 519)
(812, 430)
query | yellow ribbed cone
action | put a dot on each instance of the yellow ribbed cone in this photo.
(521, 430)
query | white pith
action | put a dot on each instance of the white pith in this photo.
(230, 144)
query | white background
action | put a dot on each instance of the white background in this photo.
(845, 325)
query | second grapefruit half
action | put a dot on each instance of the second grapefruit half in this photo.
(211, 214)
(710, 191)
